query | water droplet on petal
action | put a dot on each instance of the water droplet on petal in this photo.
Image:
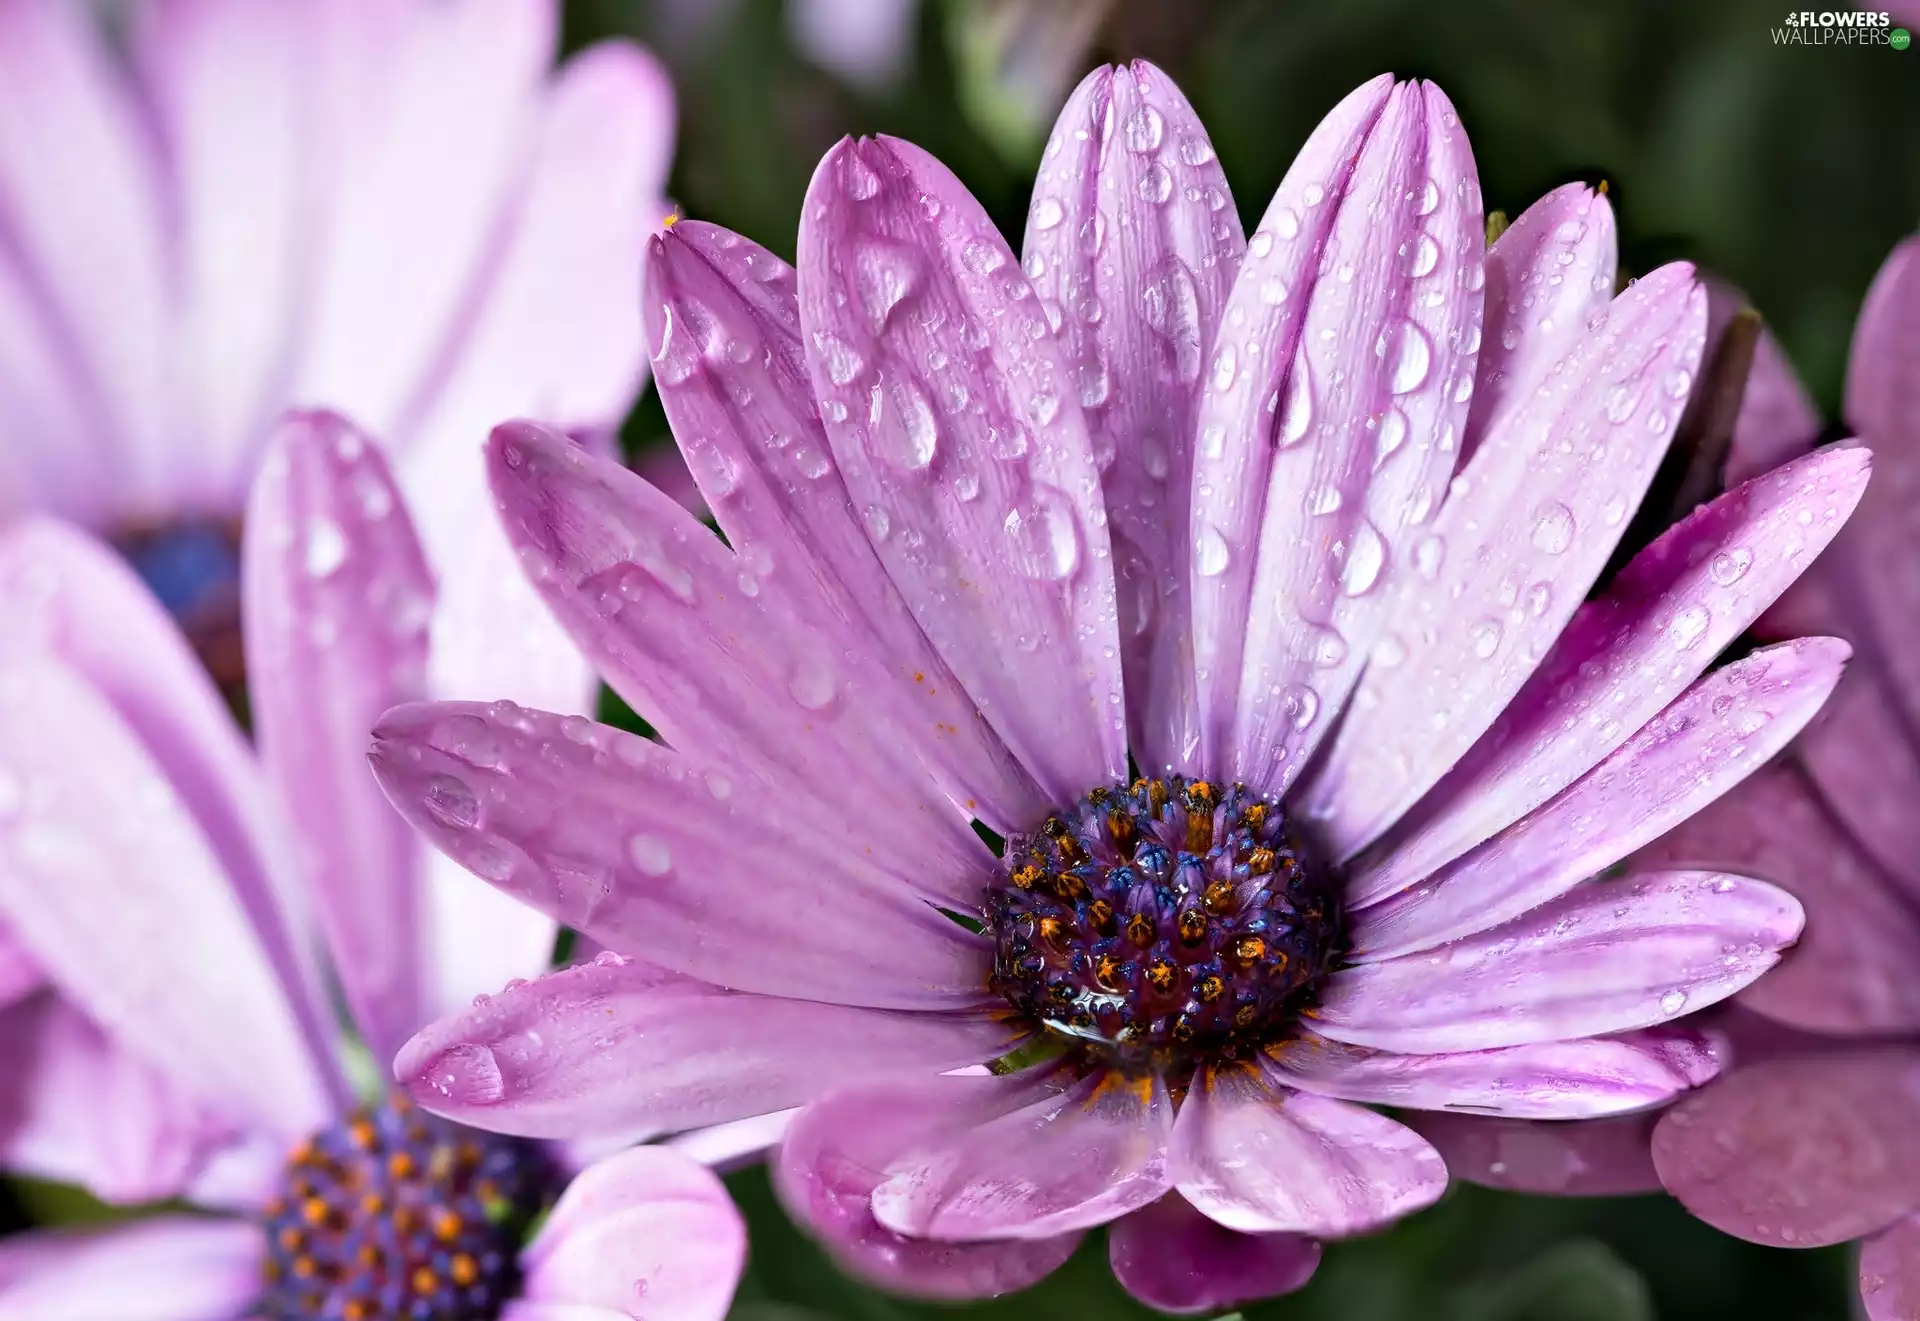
(904, 433)
(1287, 223)
(1428, 553)
(1422, 256)
(449, 801)
(1300, 703)
(1688, 626)
(1047, 213)
(1210, 553)
(1044, 534)
(1485, 637)
(1412, 355)
(468, 1074)
(857, 178)
(1553, 527)
(1144, 130)
(1365, 558)
(650, 855)
(812, 684)
(884, 274)
(1297, 416)
(1156, 183)
(843, 361)
(1730, 566)
(326, 548)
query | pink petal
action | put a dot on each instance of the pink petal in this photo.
(1547, 1080)
(1174, 1259)
(1261, 1158)
(615, 1046)
(131, 914)
(56, 460)
(336, 604)
(1132, 241)
(1716, 734)
(1864, 757)
(1594, 1158)
(1624, 656)
(1777, 422)
(1548, 275)
(731, 373)
(840, 1150)
(164, 1268)
(1376, 398)
(656, 601)
(647, 1231)
(651, 853)
(916, 315)
(1799, 1152)
(1230, 480)
(1890, 1272)
(1608, 957)
(1882, 403)
(1528, 527)
(1853, 970)
(19, 974)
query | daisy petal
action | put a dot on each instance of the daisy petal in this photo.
(1593, 1158)
(617, 1047)
(1132, 240)
(164, 1268)
(1777, 423)
(1608, 957)
(1548, 1080)
(646, 851)
(648, 1227)
(1174, 1259)
(1528, 527)
(956, 422)
(1864, 756)
(1716, 734)
(1375, 401)
(1890, 1272)
(1627, 654)
(741, 397)
(19, 974)
(839, 1151)
(1799, 1152)
(1260, 1158)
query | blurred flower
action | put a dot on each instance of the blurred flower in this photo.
(1016, 59)
(867, 42)
(1817, 1141)
(181, 1049)
(989, 530)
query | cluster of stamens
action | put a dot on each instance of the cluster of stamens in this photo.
(1161, 923)
(397, 1214)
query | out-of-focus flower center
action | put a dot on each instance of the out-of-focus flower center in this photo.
(396, 1213)
(1161, 923)
(193, 567)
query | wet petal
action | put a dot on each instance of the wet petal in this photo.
(1608, 957)
(615, 1046)
(1799, 1152)
(725, 323)
(1548, 1080)
(1723, 729)
(1890, 1272)
(650, 852)
(1261, 1158)
(990, 522)
(1365, 429)
(164, 1268)
(1174, 1259)
(1593, 1158)
(1132, 241)
(647, 1230)
(1524, 532)
(1626, 655)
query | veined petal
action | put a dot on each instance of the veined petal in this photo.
(163, 1268)
(1593, 1158)
(1626, 654)
(648, 1227)
(335, 608)
(1132, 241)
(1364, 431)
(1608, 957)
(1174, 1259)
(725, 324)
(650, 853)
(990, 522)
(1716, 734)
(1523, 534)
(616, 1046)
(1261, 1159)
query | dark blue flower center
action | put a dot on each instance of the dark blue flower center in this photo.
(1161, 924)
(398, 1215)
(193, 567)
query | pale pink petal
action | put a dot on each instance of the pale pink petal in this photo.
(1777, 421)
(164, 1268)
(1174, 1259)
(742, 1142)
(956, 422)
(1627, 654)
(1261, 1158)
(1863, 753)
(616, 1046)
(1522, 536)
(1716, 734)
(130, 912)
(56, 457)
(648, 1232)
(19, 974)
(649, 852)
(1593, 1158)
(1882, 402)
(1365, 430)
(1132, 241)
(1890, 1272)
(1608, 957)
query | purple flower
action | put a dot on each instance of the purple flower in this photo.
(1812, 1141)
(994, 528)
(162, 883)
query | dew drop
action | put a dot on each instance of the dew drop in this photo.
(468, 1074)
(1329, 648)
(1170, 304)
(1226, 364)
(650, 855)
(904, 432)
(984, 258)
(1428, 553)
(1688, 626)
(1144, 130)
(1045, 535)
(1156, 183)
(1300, 703)
(1196, 150)
(1210, 553)
(857, 178)
(1412, 356)
(449, 801)
(967, 487)
(1553, 528)
(1297, 416)
(1423, 256)
(1484, 634)
(811, 684)
(1673, 1002)
(1324, 499)
(843, 361)
(326, 548)
(884, 274)
(1048, 213)
(1730, 566)
(1393, 434)
(1429, 199)
(1365, 558)
(1287, 223)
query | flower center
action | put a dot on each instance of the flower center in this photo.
(396, 1213)
(1161, 923)
(193, 567)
